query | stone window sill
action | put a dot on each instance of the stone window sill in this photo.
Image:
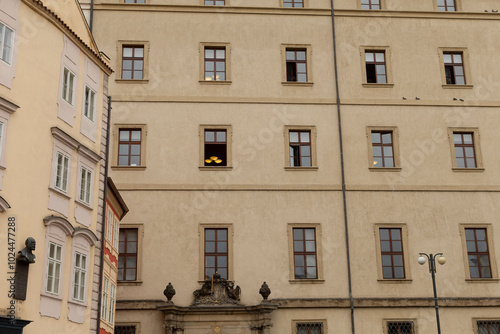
(215, 82)
(128, 167)
(378, 85)
(395, 281)
(482, 280)
(385, 169)
(307, 281)
(215, 168)
(468, 170)
(129, 283)
(131, 81)
(458, 86)
(301, 168)
(301, 84)
(59, 192)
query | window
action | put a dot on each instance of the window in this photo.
(6, 42)
(464, 149)
(88, 110)
(296, 65)
(117, 235)
(375, 66)
(85, 185)
(109, 225)
(391, 246)
(370, 4)
(309, 328)
(68, 85)
(216, 252)
(133, 62)
(62, 170)
(135, 1)
(293, 3)
(79, 277)
(127, 258)
(454, 68)
(300, 148)
(446, 5)
(215, 147)
(125, 329)
(488, 326)
(304, 252)
(111, 316)
(400, 327)
(214, 2)
(383, 153)
(300, 151)
(104, 308)
(215, 63)
(129, 147)
(54, 268)
(478, 253)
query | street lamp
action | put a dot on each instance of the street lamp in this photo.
(432, 269)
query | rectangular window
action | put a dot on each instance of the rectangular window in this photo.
(125, 329)
(112, 303)
(293, 3)
(464, 149)
(214, 2)
(478, 252)
(375, 66)
(215, 63)
(304, 252)
(104, 309)
(109, 225)
(296, 65)
(300, 148)
(6, 41)
(370, 4)
(391, 246)
(129, 147)
(116, 234)
(85, 185)
(133, 62)
(454, 68)
(446, 5)
(488, 327)
(135, 1)
(215, 147)
(216, 252)
(54, 268)
(400, 327)
(68, 85)
(127, 258)
(62, 170)
(309, 328)
(382, 149)
(89, 103)
(79, 278)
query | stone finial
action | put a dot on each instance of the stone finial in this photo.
(264, 291)
(169, 291)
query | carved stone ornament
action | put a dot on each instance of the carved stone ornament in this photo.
(169, 291)
(217, 291)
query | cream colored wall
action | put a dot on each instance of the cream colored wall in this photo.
(232, 3)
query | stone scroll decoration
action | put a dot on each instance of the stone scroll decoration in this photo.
(217, 291)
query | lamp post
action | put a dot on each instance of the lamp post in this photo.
(432, 269)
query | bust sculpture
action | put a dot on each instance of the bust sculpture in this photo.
(27, 252)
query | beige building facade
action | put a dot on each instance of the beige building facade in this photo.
(53, 129)
(316, 149)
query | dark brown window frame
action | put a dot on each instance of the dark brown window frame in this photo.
(392, 253)
(293, 3)
(129, 143)
(214, 61)
(292, 72)
(400, 327)
(372, 5)
(445, 7)
(216, 253)
(296, 147)
(375, 64)
(382, 145)
(133, 59)
(477, 254)
(462, 147)
(304, 253)
(450, 69)
(125, 255)
(207, 148)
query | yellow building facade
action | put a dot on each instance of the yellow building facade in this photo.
(317, 149)
(53, 129)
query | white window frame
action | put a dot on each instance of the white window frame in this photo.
(3, 29)
(112, 303)
(56, 274)
(89, 105)
(109, 226)
(85, 193)
(61, 172)
(116, 234)
(104, 310)
(68, 79)
(79, 277)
